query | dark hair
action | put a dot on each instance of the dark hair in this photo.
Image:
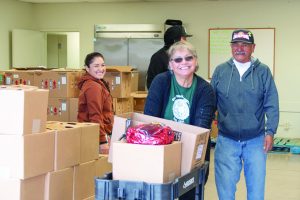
(90, 57)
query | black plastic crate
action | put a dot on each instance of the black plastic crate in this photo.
(108, 189)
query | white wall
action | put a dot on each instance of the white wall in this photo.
(13, 15)
(199, 17)
(73, 50)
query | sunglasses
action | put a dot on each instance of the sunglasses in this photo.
(180, 59)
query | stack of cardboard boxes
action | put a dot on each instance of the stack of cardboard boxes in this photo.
(62, 86)
(122, 81)
(45, 160)
(63, 91)
(76, 162)
(27, 148)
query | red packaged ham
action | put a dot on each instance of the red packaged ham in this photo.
(150, 134)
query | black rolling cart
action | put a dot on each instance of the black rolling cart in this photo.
(108, 189)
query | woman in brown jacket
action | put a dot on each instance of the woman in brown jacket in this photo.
(95, 101)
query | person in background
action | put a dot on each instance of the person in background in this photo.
(95, 102)
(181, 95)
(159, 61)
(248, 115)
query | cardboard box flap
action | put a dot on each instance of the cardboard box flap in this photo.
(175, 125)
(119, 68)
(32, 68)
(19, 87)
(139, 94)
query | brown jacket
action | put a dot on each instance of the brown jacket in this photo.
(95, 104)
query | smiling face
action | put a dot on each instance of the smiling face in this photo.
(96, 68)
(242, 51)
(183, 63)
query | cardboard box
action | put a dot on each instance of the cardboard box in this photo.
(26, 156)
(59, 185)
(67, 145)
(194, 139)
(28, 189)
(119, 79)
(8, 76)
(122, 105)
(90, 198)
(61, 83)
(214, 129)
(214, 126)
(139, 100)
(23, 110)
(16, 77)
(89, 140)
(149, 163)
(102, 165)
(62, 109)
(84, 175)
(134, 81)
(58, 109)
(73, 111)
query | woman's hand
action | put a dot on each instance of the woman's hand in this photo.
(104, 148)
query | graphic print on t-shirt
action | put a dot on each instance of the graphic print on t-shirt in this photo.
(181, 108)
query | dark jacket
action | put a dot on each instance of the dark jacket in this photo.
(158, 64)
(203, 103)
(95, 104)
(244, 105)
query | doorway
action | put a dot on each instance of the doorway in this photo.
(47, 49)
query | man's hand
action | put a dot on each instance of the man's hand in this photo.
(268, 144)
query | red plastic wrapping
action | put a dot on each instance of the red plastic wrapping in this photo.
(151, 134)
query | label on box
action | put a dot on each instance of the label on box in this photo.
(15, 75)
(199, 151)
(7, 81)
(63, 106)
(64, 80)
(118, 80)
(177, 135)
(36, 124)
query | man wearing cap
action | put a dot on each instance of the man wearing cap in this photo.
(159, 61)
(248, 115)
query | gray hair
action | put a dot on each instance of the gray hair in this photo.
(183, 45)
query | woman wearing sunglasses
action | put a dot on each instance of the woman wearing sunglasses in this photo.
(180, 94)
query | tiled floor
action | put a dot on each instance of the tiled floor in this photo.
(282, 181)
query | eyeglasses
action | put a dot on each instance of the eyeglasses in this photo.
(180, 59)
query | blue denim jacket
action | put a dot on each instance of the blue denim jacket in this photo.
(244, 105)
(203, 104)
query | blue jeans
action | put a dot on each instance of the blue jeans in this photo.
(230, 157)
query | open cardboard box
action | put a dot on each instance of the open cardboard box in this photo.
(194, 139)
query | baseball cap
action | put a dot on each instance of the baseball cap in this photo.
(242, 35)
(174, 33)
